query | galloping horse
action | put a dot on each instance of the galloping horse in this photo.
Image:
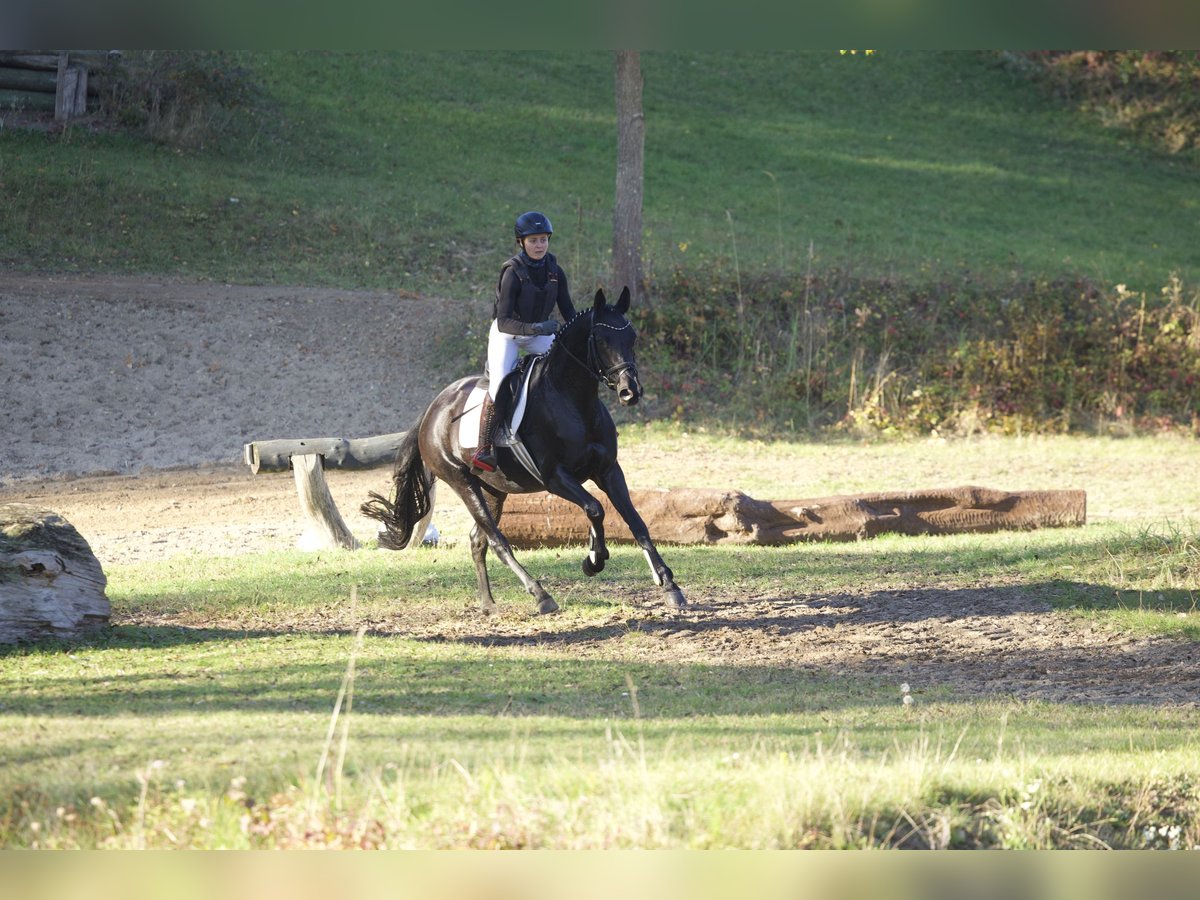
(569, 434)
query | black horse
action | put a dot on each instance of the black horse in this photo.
(569, 435)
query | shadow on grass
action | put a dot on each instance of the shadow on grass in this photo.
(768, 655)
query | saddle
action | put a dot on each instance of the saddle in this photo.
(510, 404)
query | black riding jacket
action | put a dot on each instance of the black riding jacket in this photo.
(521, 300)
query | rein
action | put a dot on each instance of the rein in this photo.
(607, 376)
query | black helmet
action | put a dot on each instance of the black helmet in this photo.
(532, 223)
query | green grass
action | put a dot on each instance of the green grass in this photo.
(461, 747)
(404, 170)
(201, 722)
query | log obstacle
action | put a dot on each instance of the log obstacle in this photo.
(695, 516)
(685, 515)
(325, 529)
(51, 584)
(47, 81)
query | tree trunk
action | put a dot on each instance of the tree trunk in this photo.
(691, 516)
(51, 584)
(631, 140)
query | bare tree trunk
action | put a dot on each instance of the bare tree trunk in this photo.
(631, 141)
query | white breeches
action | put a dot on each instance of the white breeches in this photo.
(503, 350)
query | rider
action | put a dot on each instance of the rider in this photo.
(531, 284)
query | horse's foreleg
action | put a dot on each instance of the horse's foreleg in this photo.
(561, 484)
(486, 512)
(613, 484)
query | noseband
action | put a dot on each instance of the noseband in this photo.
(593, 367)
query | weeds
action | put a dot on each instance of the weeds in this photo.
(954, 359)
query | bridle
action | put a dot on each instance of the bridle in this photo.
(593, 367)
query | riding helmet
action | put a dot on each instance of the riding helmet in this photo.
(532, 223)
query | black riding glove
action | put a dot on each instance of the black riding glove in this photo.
(548, 327)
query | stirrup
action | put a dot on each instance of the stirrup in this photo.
(484, 459)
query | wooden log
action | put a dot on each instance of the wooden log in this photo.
(690, 516)
(64, 95)
(326, 530)
(28, 80)
(27, 100)
(51, 584)
(47, 60)
(338, 453)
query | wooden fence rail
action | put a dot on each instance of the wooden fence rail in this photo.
(44, 80)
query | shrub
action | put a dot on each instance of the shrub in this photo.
(1152, 93)
(186, 99)
(1031, 356)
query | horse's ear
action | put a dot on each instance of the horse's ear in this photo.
(623, 302)
(598, 303)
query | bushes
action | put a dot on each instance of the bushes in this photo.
(185, 99)
(1152, 93)
(963, 356)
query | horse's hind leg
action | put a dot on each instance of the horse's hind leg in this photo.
(479, 545)
(485, 509)
(422, 527)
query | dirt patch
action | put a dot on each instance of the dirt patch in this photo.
(159, 385)
(118, 376)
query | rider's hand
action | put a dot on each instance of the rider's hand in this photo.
(548, 327)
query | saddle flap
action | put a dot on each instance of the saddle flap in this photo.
(512, 396)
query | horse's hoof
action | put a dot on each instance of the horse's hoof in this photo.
(590, 568)
(546, 606)
(674, 598)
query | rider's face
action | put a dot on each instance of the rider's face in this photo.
(536, 245)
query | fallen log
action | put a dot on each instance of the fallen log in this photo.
(51, 584)
(694, 516)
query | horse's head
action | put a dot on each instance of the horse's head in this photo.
(611, 347)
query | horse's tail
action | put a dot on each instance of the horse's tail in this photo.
(412, 498)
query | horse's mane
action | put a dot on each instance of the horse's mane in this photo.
(568, 331)
(589, 314)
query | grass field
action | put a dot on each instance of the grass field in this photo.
(205, 719)
(404, 170)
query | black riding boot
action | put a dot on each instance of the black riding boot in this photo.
(484, 457)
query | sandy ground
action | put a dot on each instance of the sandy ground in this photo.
(124, 405)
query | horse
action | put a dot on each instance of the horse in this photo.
(568, 432)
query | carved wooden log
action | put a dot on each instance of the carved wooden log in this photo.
(689, 516)
(338, 453)
(51, 584)
(326, 529)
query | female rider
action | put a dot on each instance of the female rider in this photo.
(531, 285)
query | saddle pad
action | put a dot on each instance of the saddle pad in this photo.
(468, 424)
